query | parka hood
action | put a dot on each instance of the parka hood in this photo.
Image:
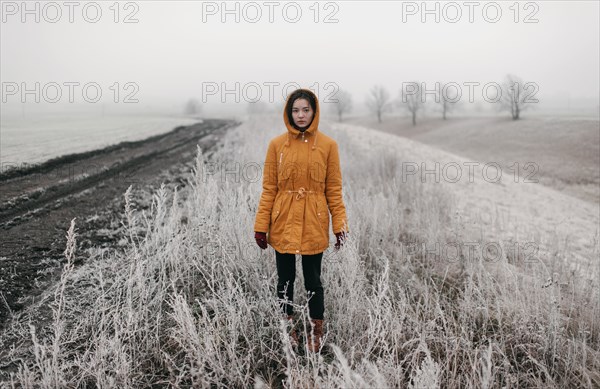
(314, 125)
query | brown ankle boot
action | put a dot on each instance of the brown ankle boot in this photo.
(314, 339)
(293, 334)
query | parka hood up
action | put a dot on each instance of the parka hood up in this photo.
(314, 125)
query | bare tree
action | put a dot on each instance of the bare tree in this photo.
(378, 101)
(446, 102)
(516, 96)
(343, 104)
(192, 107)
(411, 96)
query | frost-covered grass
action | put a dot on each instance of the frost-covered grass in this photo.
(191, 302)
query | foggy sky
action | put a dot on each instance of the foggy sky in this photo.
(170, 52)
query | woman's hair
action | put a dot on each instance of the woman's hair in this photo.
(300, 94)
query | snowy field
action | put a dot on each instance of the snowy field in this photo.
(408, 303)
(562, 152)
(35, 139)
(498, 207)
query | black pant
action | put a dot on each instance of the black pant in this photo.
(311, 269)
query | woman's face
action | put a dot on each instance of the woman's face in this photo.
(302, 113)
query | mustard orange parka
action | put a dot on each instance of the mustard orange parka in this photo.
(302, 184)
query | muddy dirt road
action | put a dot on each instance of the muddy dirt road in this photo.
(37, 205)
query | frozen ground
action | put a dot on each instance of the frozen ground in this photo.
(537, 334)
(564, 151)
(35, 139)
(505, 211)
(36, 206)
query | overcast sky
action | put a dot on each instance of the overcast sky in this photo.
(171, 51)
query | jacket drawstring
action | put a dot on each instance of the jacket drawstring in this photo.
(301, 192)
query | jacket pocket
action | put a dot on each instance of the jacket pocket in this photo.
(318, 172)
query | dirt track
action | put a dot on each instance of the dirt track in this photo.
(37, 205)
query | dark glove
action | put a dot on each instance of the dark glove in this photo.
(341, 238)
(261, 239)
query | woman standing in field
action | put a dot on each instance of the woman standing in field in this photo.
(302, 184)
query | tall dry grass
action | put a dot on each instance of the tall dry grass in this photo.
(191, 301)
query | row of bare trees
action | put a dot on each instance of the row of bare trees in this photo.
(515, 97)
(412, 99)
